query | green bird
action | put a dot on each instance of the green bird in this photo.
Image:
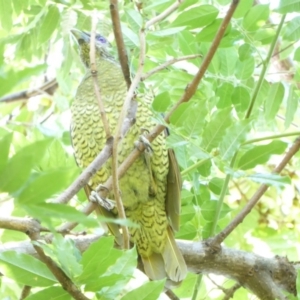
(150, 189)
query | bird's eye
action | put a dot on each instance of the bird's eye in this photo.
(101, 39)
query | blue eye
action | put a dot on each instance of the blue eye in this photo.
(100, 39)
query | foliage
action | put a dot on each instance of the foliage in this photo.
(231, 129)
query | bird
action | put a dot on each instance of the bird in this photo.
(150, 189)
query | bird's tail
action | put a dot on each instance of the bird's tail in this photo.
(169, 264)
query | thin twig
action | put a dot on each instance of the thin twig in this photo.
(123, 58)
(164, 14)
(94, 73)
(218, 239)
(264, 69)
(168, 63)
(192, 87)
(59, 274)
(48, 87)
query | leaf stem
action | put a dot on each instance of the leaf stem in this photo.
(265, 68)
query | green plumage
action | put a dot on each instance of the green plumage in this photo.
(146, 201)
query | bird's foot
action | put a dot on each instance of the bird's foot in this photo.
(99, 197)
(143, 141)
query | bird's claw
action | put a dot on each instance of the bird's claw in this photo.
(143, 141)
(102, 201)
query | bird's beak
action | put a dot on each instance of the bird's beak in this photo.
(80, 36)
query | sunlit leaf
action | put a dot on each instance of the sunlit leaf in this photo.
(25, 269)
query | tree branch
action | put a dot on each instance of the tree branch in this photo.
(219, 238)
(265, 277)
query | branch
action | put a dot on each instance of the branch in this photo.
(94, 73)
(48, 88)
(219, 238)
(123, 58)
(168, 63)
(265, 277)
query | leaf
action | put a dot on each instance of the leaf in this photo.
(291, 107)
(234, 136)
(270, 179)
(197, 16)
(245, 69)
(243, 7)
(161, 102)
(208, 210)
(273, 100)
(4, 150)
(53, 292)
(98, 258)
(49, 24)
(228, 58)
(288, 6)
(215, 185)
(190, 117)
(47, 211)
(148, 291)
(245, 51)
(224, 92)
(13, 78)
(260, 154)
(6, 14)
(256, 17)
(208, 33)
(292, 30)
(215, 129)
(68, 255)
(240, 99)
(13, 176)
(44, 185)
(25, 269)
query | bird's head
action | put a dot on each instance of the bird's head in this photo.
(84, 40)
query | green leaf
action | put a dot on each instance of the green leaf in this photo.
(215, 185)
(13, 77)
(208, 33)
(245, 69)
(228, 58)
(240, 99)
(49, 24)
(297, 54)
(197, 17)
(256, 17)
(148, 291)
(130, 37)
(4, 150)
(273, 100)
(245, 51)
(25, 269)
(98, 258)
(243, 7)
(13, 177)
(53, 292)
(234, 136)
(104, 283)
(161, 102)
(134, 18)
(292, 30)
(208, 209)
(260, 154)
(224, 92)
(291, 106)
(45, 185)
(48, 211)
(6, 14)
(270, 179)
(288, 6)
(190, 117)
(264, 35)
(215, 129)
